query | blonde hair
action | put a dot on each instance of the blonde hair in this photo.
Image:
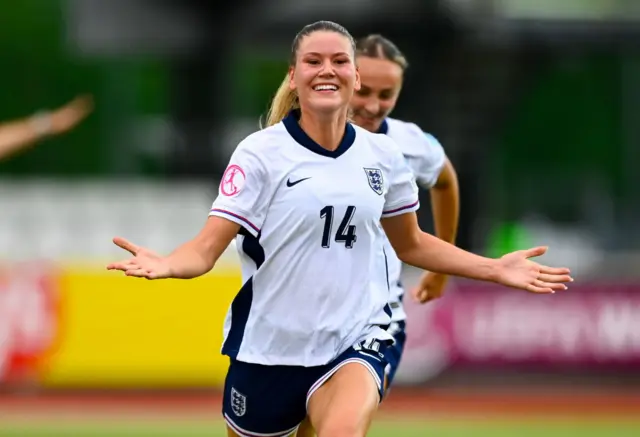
(283, 102)
(286, 99)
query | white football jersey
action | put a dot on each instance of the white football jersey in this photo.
(426, 158)
(314, 283)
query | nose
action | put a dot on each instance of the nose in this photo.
(372, 106)
(327, 68)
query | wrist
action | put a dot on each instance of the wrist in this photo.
(491, 270)
(42, 123)
(169, 266)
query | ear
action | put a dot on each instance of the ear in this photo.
(292, 83)
(357, 84)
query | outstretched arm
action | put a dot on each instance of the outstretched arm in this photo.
(427, 252)
(20, 134)
(192, 259)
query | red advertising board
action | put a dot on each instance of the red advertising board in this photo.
(29, 320)
(477, 326)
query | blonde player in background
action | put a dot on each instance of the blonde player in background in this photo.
(382, 65)
(20, 134)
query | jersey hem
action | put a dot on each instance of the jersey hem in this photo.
(380, 334)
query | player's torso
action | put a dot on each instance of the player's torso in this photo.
(315, 195)
(323, 282)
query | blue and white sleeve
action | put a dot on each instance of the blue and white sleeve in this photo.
(402, 194)
(243, 195)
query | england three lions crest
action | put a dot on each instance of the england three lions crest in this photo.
(374, 176)
(238, 402)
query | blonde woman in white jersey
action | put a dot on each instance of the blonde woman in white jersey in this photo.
(306, 196)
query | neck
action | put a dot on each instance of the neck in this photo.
(326, 131)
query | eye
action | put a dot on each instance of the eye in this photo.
(342, 61)
(386, 95)
(313, 61)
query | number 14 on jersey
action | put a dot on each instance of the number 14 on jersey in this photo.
(346, 232)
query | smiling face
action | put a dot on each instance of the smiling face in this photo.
(378, 94)
(324, 74)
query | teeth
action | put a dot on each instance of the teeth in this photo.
(325, 87)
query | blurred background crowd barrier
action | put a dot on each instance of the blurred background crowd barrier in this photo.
(537, 104)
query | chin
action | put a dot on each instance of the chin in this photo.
(370, 125)
(327, 107)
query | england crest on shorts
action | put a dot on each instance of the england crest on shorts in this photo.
(238, 402)
(374, 176)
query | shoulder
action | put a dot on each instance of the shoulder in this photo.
(379, 143)
(410, 132)
(261, 147)
(384, 148)
(412, 139)
(264, 141)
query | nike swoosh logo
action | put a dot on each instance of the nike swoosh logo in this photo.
(291, 184)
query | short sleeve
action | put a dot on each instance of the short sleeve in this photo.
(429, 162)
(402, 195)
(243, 195)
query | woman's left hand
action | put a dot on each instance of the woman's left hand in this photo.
(516, 270)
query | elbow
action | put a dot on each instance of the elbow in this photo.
(404, 256)
(206, 251)
(448, 179)
(410, 247)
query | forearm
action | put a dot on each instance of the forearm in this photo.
(190, 260)
(445, 206)
(432, 254)
(17, 135)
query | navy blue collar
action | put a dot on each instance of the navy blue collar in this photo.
(384, 127)
(301, 137)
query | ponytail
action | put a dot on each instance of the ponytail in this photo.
(283, 102)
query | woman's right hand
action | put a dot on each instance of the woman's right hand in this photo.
(144, 264)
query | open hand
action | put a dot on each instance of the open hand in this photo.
(68, 116)
(144, 264)
(516, 270)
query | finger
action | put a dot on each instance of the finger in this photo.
(415, 293)
(138, 273)
(554, 278)
(539, 290)
(128, 263)
(126, 245)
(555, 271)
(431, 298)
(552, 285)
(536, 251)
(422, 296)
(122, 265)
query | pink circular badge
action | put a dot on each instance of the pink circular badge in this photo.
(232, 180)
